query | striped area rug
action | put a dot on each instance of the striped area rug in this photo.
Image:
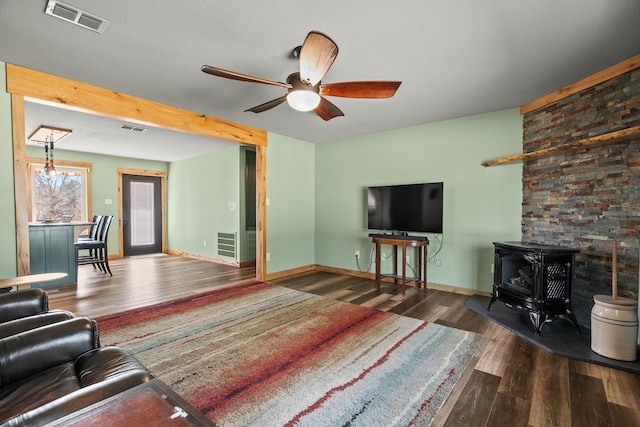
(256, 354)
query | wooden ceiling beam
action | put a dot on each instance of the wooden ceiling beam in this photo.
(48, 89)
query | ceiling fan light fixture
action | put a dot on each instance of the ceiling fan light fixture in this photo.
(305, 91)
(303, 100)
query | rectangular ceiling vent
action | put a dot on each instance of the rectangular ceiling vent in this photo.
(133, 128)
(76, 16)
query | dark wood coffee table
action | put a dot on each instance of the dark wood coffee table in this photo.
(150, 404)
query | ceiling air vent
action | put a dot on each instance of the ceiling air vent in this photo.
(133, 128)
(76, 16)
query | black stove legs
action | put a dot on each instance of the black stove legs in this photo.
(539, 319)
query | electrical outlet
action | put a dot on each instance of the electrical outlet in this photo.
(357, 254)
(492, 268)
(268, 256)
(204, 243)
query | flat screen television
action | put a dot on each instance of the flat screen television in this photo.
(406, 208)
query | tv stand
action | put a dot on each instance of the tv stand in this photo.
(419, 242)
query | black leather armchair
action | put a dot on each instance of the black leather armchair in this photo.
(14, 305)
(51, 371)
(27, 309)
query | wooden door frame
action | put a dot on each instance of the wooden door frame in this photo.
(141, 172)
(35, 86)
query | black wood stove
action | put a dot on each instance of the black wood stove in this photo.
(537, 278)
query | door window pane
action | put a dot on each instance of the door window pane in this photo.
(142, 224)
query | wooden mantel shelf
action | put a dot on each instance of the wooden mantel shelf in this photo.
(608, 138)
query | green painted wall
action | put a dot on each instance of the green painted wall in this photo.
(482, 205)
(8, 253)
(104, 182)
(291, 208)
(203, 199)
(211, 183)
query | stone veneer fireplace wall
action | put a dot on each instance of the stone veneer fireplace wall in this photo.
(586, 198)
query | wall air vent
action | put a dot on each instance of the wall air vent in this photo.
(227, 244)
(76, 16)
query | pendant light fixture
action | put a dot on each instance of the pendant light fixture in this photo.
(48, 136)
(49, 167)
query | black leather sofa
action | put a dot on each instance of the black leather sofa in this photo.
(52, 370)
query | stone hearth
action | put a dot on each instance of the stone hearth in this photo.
(559, 337)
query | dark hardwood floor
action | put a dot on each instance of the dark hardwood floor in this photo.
(141, 281)
(509, 382)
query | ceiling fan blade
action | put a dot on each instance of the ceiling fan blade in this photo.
(267, 105)
(316, 57)
(327, 111)
(214, 71)
(365, 89)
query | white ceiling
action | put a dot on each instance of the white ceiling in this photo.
(455, 58)
(101, 135)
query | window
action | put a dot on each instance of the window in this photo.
(63, 196)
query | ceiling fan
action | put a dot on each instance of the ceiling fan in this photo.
(305, 90)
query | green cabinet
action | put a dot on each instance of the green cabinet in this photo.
(51, 251)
